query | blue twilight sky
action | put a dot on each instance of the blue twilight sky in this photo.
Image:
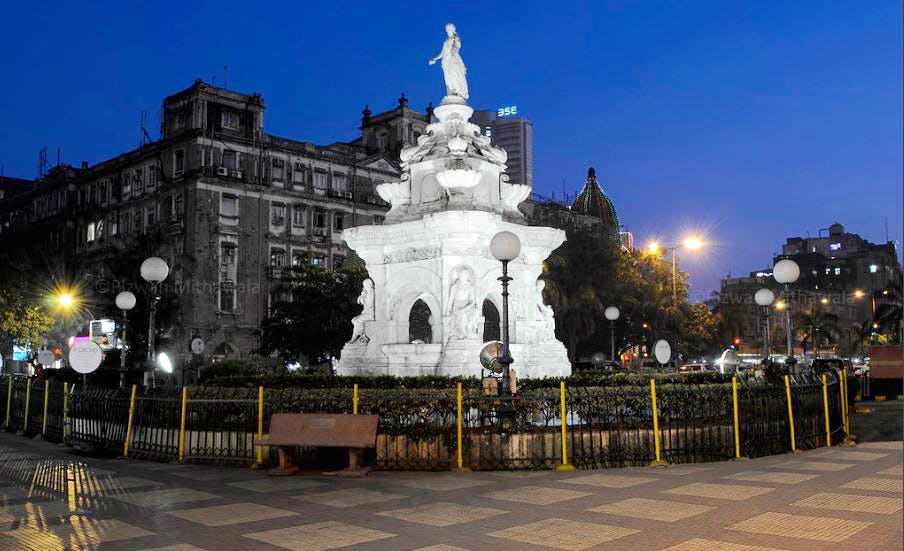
(751, 121)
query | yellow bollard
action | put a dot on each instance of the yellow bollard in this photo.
(9, 399)
(182, 426)
(565, 466)
(737, 424)
(65, 411)
(825, 404)
(460, 459)
(125, 445)
(260, 425)
(658, 461)
(849, 439)
(355, 400)
(27, 405)
(790, 413)
(44, 417)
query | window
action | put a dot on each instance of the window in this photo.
(277, 258)
(277, 215)
(320, 180)
(873, 268)
(227, 276)
(320, 219)
(338, 260)
(178, 208)
(151, 213)
(178, 162)
(124, 222)
(229, 206)
(230, 159)
(179, 121)
(299, 259)
(339, 221)
(138, 220)
(231, 120)
(319, 261)
(113, 226)
(279, 170)
(298, 174)
(99, 229)
(340, 182)
(835, 247)
(298, 216)
(126, 185)
(137, 181)
(837, 271)
(91, 235)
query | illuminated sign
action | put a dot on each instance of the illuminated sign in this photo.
(507, 111)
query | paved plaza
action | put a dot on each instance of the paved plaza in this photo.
(838, 498)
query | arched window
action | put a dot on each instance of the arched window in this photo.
(419, 328)
(491, 325)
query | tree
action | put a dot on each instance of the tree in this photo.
(23, 322)
(889, 310)
(313, 320)
(816, 327)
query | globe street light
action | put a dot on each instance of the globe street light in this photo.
(786, 272)
(505, 247)
(125, 301)
(153, 270)
(612, 314)
(765, 297)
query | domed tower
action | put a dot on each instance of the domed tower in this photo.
(593, 202)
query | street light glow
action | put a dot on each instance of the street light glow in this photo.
(824, 300)
(653, 247)
(693, 243)
(858, 293)
(65, 300)
(780, 305)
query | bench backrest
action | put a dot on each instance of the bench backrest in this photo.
(325, 430)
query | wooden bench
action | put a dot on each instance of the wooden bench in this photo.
(289, 430)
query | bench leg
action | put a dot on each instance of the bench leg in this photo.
(286, 466)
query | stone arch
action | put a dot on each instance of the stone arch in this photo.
(420, 326)
(402, 313)
(492, 321)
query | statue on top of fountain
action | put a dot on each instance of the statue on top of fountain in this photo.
(453, 67)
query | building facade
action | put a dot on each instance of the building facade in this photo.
(841, 274)
(513, 133)
(226, 204)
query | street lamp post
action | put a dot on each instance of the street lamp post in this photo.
(786, 272)
(125, 301)
(765, 297)
(612, 314)
(153, 270)
(691, 243)
(505, 247)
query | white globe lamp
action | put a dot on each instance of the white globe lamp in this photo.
(125, 300)
(154, 269)
(786, 271)
(611, 313)
(505, 246)
(764, 297)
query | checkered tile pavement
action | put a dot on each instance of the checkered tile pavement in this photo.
(838, 498)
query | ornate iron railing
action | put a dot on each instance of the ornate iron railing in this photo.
(606, 426)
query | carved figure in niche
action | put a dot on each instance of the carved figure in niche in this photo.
(462, 311)
(453, 67)
(365, 299)
(546, 331)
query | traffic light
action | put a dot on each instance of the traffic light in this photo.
(738, 341)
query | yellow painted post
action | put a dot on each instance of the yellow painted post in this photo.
(182, 425)
(65, 411)
(260, 425)
(9, 399)
(27, 405)
(825, 404)
(355, 400)
(790, 413)
(459, 459)
(656, 443)
(44, 417)
(846, 411)
(125, 445)
(737, 424)
(565, 466)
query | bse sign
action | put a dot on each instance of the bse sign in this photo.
(507, 111)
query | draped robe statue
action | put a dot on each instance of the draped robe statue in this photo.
(453, 67)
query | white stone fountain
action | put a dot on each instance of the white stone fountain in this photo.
(433, 247)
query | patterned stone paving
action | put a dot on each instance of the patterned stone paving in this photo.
(837, 498)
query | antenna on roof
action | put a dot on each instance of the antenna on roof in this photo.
(144, 137)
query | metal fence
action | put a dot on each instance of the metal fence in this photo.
(438, 429)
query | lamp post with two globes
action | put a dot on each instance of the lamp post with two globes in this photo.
(125, 301)
(786, 272)
(505, 247)
(153, 270)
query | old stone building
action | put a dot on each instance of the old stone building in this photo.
(226, 204)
